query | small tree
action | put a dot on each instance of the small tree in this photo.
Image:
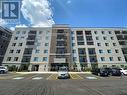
(94, 65)
(74, 67)
(125, 67)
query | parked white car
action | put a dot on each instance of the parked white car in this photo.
(3, 69)
(63, 73)
(124, 72)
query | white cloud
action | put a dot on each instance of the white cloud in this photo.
(17, 26)
(12, 28)
(21, 25)
(2, 22)
(68, 1)
(37, 12)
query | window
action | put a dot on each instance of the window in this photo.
(38, 44)
(102, 58)
(104, 66)
(18, 32)
(73, 38)
(28, 50)
(46, 44)
(109, 51)
(111, 58)
(16, 38)
(73, 51)
(40, 32)
(18, 51)
(20, 44)
(47, 32)
(37, 51)
(113, 66)
(13, 44)
(122, 42)
(1, 46)
(9, 59)
(95, 32)
(47, 38)
(112, 38)
(105, 38)
(102, 32)
(30, 43)
(101, 51)
(73, 44)
(74, 59)
(35, 58)
(106, 44)
(114, 44)
(11, 51)
(44, 58)
(119, 59)
(22, 37)
(80, 43)
(81, 51)
(26, 58)
(72, 32)
(97, 38)
(91, 51)
(88, 32)
(24, 32)
(79, 32)
(82, 59)
(117, 32)
(16, 59)
(90, 43)
(45, 51)
(98, 44)
(116, 50)
(124, 32)
(109, 32)
(93, 59)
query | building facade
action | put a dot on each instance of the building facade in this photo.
(48, 48)
(98, 46)
(29, 46)
(5, 37)
(60, 50)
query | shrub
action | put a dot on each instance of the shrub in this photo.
(88, 69)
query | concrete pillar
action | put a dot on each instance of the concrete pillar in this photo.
(78, 66)
(89, 65)
(30, 67)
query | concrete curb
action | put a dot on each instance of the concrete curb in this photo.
(51, 72)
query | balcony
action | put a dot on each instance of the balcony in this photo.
(59, 60)
(79, 33)
(62, 39)
(88, 32)
(32, 33)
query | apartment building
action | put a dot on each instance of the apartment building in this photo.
(60, 50)
(5, 37)
(98, 46)
(29, 46)
(48, 48)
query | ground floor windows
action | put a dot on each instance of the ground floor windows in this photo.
(9, 59)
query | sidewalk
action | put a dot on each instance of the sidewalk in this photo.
(51, 72)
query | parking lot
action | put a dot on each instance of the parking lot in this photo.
(49, 84)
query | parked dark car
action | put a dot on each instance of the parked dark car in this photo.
(115, 72)
(100, 72)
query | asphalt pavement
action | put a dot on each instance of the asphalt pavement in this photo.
(48, 84)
